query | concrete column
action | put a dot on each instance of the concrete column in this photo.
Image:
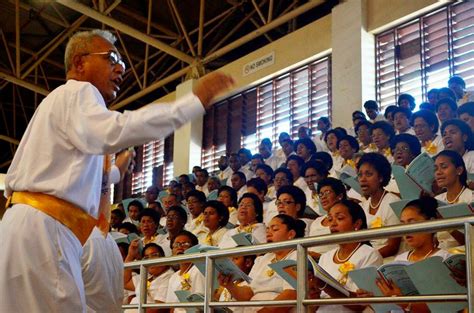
(353, 60)
(188, 139)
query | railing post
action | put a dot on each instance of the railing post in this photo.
(469, 235)
(209, 284)
(302, 272)
(143, 288)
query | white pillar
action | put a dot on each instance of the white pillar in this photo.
(353, 61)
(187, 139)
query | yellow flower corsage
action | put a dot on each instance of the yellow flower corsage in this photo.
(430, 147)
(345, 268)
(185, 283)
(199, 219)
(351, 163)
(387, 152)
(377, 223)
(232, 209)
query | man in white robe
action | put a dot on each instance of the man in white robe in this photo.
(60, 157)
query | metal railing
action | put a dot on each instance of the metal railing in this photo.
(301, 245)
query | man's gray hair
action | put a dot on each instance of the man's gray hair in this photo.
(80, 42)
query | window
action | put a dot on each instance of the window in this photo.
(422, 54)
(154, 164)
(282, 104)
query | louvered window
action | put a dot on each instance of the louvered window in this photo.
(282, 104)
(422, 54)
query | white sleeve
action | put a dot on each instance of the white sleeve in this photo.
(114, 175)
(94, 129)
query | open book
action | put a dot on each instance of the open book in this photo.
(348, 175)
(429, 276)
(456, 210)
(286, 269)
(221, 265)
(186, 296)
(243, 239)
(417, 177)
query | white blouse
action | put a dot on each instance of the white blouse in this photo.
(195, 283)
(318, 229)
(258, 231)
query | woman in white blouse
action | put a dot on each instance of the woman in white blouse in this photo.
(266, 284)
(345, 216)
(250, 217)
(382, 133)
(331, 191)
(374, 173)
(426, 126)
(450, 174)
(457, 136)
(216, 217)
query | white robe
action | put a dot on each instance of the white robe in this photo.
(61, 154)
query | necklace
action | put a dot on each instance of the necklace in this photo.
(457, 197)
(270, 272)
(426, 255)
(339, 260)
(380, 201)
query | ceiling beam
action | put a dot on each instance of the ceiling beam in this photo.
(24, 84)
(262, 30)
(76, 6)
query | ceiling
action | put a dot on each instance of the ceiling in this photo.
(163, 42)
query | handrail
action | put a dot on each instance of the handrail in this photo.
(366, 234)
(302, 244)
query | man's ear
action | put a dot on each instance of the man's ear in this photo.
(78, 63)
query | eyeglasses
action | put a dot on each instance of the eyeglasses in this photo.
(113, 57)
(151, 256)
(325, 193)
(401, 149)
(181, 245)
(172, 218)
(284, 202)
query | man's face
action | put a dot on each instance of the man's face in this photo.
(244, 159)
(234, 163)
(201, 178)
(371, 113)
(169, 201)
(303, 133)
(222, 163)
(99, 71)
(457, 89)
(237, 182)
(264, 150)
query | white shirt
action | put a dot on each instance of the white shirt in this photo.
(102, 272)
(364, 256)
(203, 188)
(157, 289)
(318, 229)
(320, 143)
(225, 174)
(274, 161)
(61, 152)
(196, 282)
(259, 235)
(435, 147)
(266, 287)
(441, 252)
(468, 158)
(383, 217)
(215, 237)
(270, 211)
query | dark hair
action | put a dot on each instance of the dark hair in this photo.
(258, 184)
(380, 163)
(426, 206)
(358, 115)
(465, 130)
(266, 142)
(448, 92)
(232, 193)
(132, 228)
(258, 156)
(194, 240)
(287, 172)
(352, 142)
(308, 143)
(185, 176)
(266, 168)
(296, 158)
(467, 107)
(120, 214)
(433, 90)
(324, 157)
(256, 203)
(336, 185)
(153, 245)
(388, 110)
(385, 127)
(241, 175)
(342, 130)
(155, 216)
(457, 80)
(428, 106)
(245, 151)
(457, 161)
(410, 140)
(409, 98)
(363, 123)
(318, 166)
(430, 118)
(371, 104)
(297, 225)
(297, 194)
(221, 210)
(180, 211)
(450, 102)
(136, 203)
(405, 111)
(199, 195)
(203, 170)
(337, 132)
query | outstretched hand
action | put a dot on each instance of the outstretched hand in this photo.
(211, 85)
